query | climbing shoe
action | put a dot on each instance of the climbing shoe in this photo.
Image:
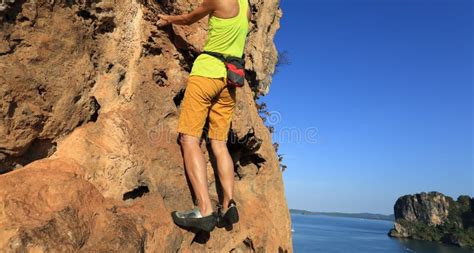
(194, 219)
(229, 217)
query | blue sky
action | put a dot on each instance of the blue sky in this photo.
(387, 87)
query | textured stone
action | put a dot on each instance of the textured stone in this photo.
(91, 93)
(429, 208)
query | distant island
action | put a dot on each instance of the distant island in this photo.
(370, 216)
(435, 217)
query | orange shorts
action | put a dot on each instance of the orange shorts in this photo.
(207, 98)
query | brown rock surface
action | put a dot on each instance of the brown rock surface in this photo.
(91, 93)
(429, 208)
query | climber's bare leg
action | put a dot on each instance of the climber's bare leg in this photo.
(225, 169)
(196, 171)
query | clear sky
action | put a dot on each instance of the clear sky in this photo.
(387, 88)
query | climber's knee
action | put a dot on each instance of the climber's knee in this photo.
(186, 140)
(218, 147)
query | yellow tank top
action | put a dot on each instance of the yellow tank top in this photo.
(226, 36)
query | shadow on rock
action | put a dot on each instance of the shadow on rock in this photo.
(200, 236)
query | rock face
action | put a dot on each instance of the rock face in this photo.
(89, 160)
(435, 217)
(429, 208)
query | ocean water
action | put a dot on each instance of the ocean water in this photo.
(317, 233)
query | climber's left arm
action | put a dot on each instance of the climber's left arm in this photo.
(203, 10)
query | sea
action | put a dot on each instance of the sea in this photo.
(319, 233)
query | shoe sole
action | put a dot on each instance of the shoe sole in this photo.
(206, 223)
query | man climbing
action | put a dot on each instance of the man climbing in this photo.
(208, 97)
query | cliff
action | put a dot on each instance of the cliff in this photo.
(88, 155)
(435, 217)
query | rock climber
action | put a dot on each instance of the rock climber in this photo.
(207, 97)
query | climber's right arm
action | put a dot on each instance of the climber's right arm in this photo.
(203, 10)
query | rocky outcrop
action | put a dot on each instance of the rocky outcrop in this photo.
(429, 208)
(435, 217)
(91, 93)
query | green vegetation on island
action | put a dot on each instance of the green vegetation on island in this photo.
(435, 217)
